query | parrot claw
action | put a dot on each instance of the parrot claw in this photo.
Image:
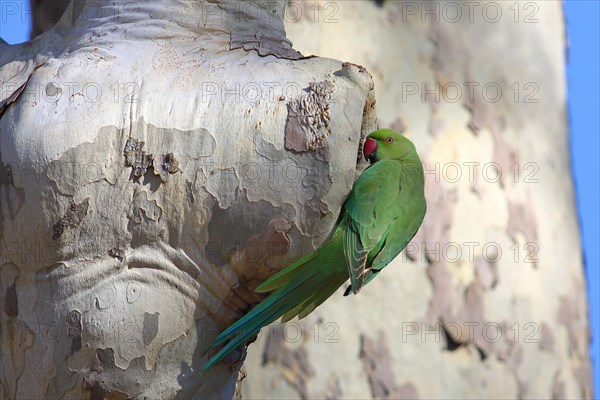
(348, 290)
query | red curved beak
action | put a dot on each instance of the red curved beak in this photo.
(369, 149)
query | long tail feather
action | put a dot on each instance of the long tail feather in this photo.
(248, 320)
(285, 275)
(306, 283)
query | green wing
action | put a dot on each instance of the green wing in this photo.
(369, 211)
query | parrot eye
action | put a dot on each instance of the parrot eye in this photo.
(389, 140)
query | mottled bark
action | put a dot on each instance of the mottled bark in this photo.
(489, 299)
(146, 189)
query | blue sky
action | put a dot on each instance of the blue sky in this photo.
(582, 76)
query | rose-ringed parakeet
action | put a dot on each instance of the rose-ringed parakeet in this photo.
(380, 216)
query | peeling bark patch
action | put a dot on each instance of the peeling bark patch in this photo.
(10, 301)
(150, 327)
(71, 219)
(238, 383)
(141, 162)
(377, 364)
(307, 124)
(73, 320)
(265, 46)
(5, 104)
(136, 158)
(105, 377)
(165, 165)
(117, 253)
(266, 33)
(293, 364)
(369, 124)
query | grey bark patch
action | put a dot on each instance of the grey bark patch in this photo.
(133, 292)
(105, 377)
(505, 156)
(11, 302)
(158, 157)
(150, 327)
(484, 114)
(522, 219)
(294, 365)
(438, 220)
(89, 162)
(585, 379)
(573, 321)
(74, 327)
(307, 124)
(407, 391)
(143, 208)
(443, 294)
(230, 230)
(223, 184)
(52, 90)
(249, 263)
(333, 391)
(547, 338)
(377, 364)
(71, 219)
(558, 388)
(11, 197)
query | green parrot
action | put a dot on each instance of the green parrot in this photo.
(380, 216)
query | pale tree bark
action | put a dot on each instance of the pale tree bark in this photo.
(498, 262)
(159, 159)
(489, 300)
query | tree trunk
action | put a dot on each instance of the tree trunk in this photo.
(489, 299)
(158, 161)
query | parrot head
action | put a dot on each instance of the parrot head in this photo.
(385, 144)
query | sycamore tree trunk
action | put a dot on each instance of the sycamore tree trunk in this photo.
(487, 301)
(159, 159)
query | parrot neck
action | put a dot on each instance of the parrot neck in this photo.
(413, 167)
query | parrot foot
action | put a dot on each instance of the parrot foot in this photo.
(348, 290)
